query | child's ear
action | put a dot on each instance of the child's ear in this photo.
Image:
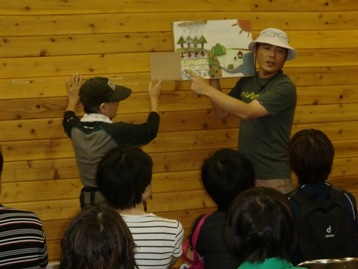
(147, 194)
(102, 108)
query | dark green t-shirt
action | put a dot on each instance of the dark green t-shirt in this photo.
(264, 140)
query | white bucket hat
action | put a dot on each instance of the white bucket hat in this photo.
(275, 37)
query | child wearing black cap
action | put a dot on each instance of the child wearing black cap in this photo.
(95, 133)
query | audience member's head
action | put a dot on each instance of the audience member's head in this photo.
(97, 238)
(311, 156)
(225, 174)
(260, 225)
(124, 177)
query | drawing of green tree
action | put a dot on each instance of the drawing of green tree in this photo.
(181, 42)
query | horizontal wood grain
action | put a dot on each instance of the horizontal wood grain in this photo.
(162, 202)
(65, 45)
(44, 42)
(140, 62)
(338, 101)
(311, 84)
(55, 170)
(339, 116)
(66, 25)
(108, 6)
(323, 5)
(162, 183)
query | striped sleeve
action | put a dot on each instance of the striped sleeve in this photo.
(22, 240)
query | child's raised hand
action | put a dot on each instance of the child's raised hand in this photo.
(155, 89)
(73, 86)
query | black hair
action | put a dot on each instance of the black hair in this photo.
(225, 174)
(260, 225)
(97, 238)
(311, 155)
(123, 175)
(89, 110)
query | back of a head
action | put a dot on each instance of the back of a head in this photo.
(97, 238)
(225, 174)
(123, 175)
(311, 155)
(260, 225)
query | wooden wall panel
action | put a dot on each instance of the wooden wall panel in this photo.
(23, 26)
(139, 62)
(44, 42)
(57, 45)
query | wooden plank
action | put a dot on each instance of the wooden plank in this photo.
(64, 45)
(326, 76)
(20, 172)
(162, 202)
(303, 5)
(334, 130)
(29, 191)
(50, 210)
(325, 113)
(22, 109)
(60, 65)
(165, 142)
(348, 183)
(170, 121)
(70, 188)
(54, 229)
(37, 89)
(139, 62)
(344, 172)
(38, 170)
(43, 87)
(180, 201)
(60, 169)
(58, 45)
(308, 76)
(322, 39)
(70, 24)
(162, 183)
(137, 103)
(322, 95)
(53, 86)
(37, 129)
(26, 109)
(324, 58)
(109, 6)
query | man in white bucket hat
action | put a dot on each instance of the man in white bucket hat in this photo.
(265, 104)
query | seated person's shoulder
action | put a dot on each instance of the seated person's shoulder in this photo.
(8, 212)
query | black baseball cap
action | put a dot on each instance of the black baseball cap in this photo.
(98, 90)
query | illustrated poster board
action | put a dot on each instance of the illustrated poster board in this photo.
(214, 48)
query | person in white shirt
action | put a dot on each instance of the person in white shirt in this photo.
(124, 178)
